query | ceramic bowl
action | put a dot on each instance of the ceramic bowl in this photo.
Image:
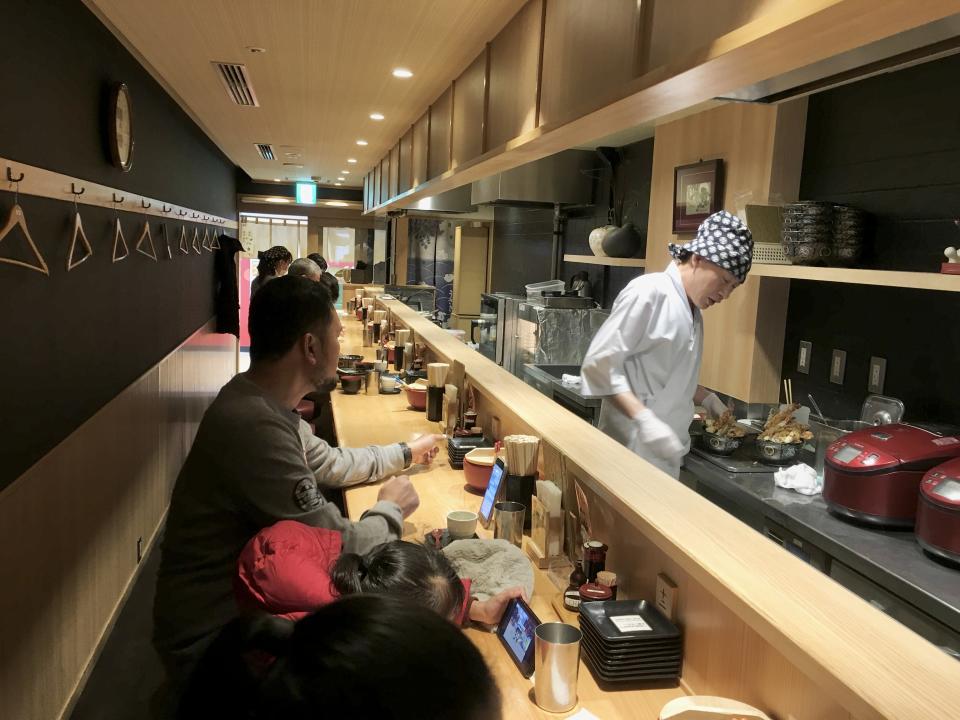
(417, 396)
(461, 524)
(351, 384)
(477, 466)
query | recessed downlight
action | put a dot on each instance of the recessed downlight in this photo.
(341, 179)
(352, 161)
(335, 203)
(338, 184)
(278, 200)
(402, 73)
(344, 172)
(376, 116)
(362, 142)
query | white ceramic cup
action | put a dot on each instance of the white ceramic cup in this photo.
(462, 524)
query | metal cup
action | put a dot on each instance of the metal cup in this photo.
(373, 382)
(557, 653)
(508, 521)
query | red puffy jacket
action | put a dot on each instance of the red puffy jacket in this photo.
(285, 570)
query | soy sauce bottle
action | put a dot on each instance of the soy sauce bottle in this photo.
(571, 596)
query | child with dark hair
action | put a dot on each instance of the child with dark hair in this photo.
(369, 656)
(271, 264)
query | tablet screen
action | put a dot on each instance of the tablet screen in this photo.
(516, 632)
(490, 496)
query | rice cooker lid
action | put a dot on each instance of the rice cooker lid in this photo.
(941, 485)
(890, 447)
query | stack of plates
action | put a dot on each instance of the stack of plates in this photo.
(849, 229)
(629, 641)
(458, 447)
(808, 232)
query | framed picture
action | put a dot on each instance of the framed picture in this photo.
(697, 194)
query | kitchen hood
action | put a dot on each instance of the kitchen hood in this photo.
(451, 201)
(923, 44)
(565, 178)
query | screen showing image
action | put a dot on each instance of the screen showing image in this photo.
(846, 454)
(519, 632)
(486, 507)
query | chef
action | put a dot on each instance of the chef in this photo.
(645, 359)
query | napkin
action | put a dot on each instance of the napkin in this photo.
(570, 379)
(801, 477)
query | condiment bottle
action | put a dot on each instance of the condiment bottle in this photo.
(592, 592)
(608, 579)
(571, 596)
(594, 558)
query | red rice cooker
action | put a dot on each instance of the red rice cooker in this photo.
(873, 475)
(938, 512)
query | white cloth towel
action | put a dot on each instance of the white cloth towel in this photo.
(801, 478)
(570, 379)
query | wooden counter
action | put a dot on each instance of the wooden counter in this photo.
(382, 419)
(759, 624)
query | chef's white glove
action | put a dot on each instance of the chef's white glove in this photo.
(714, 405)
(656, 435)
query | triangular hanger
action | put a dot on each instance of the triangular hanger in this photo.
(119, 241)
(196, 241)
(145, 235)
(166, 241)
(215, 243)
(205, 243)
(17, 219)
(184, 248)
(78, 233)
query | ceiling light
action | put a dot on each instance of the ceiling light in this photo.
(352, 161)
(402, 73)
(376, 116)
(344, 172)
(338, 184)
(335, 203)
(278, 200)
(276, 179)
(362, 142)
(341, 179)
(256, 50)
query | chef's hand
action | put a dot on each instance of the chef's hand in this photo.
(714, 405)
(490, 611)
(424, 449)
(657, 436)
(401, 491)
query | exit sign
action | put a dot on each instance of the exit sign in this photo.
(306, 193)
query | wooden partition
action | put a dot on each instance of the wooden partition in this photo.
(70, 525)
(759, 624)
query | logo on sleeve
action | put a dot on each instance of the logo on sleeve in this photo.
(307, 495)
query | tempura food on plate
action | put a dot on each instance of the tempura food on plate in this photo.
(724, 426)
(781, 427)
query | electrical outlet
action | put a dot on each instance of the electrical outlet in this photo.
(838, 366)
(667, 593)
(139, 549)
(803, 357)
(878, 373)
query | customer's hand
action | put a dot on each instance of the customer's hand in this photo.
(424, 449)
(400, 490)
(490, 611)
(656, 436)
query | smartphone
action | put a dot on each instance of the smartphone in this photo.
(493, 493)
(516, 633)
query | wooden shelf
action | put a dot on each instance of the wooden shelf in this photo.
(614, 262)
(889, 278)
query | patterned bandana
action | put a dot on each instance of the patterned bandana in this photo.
(724, 240)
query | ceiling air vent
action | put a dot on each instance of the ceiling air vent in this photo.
(265, 150)
(237, 83)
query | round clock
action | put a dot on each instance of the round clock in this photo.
(121, 127)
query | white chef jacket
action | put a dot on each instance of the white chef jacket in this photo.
(651, 345)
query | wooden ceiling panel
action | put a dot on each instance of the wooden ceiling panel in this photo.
(327, 66)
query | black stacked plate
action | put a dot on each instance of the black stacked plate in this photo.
(458, 447)
(849, 229)
(629, 641)
(808, 232)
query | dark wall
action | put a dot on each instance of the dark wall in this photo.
(889, 145)
(523, 236)
(73, 341)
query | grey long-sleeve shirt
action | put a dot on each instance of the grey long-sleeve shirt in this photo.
(252, 463)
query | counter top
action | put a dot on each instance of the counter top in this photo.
(891, 558)
(381, 419)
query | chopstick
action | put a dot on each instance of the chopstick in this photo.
(788, 391)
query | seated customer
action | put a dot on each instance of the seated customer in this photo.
(304, 267)
(291, 569)
(361, 657)
(254, 461)
(271, 264)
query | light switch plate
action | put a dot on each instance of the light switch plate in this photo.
(667, 596)
(878, 373)
(804, 357)
(838, 366)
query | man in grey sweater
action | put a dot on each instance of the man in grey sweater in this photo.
(254, 462)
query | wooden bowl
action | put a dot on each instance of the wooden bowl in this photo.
(477, 466)
(416, 396)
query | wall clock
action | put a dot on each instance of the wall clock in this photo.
(120, 127)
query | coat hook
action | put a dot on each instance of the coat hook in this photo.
(73, 190)
(166, 209)
(181, 213)
(196, 215)
(116, 200)
(13, 179)
(145, 204)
